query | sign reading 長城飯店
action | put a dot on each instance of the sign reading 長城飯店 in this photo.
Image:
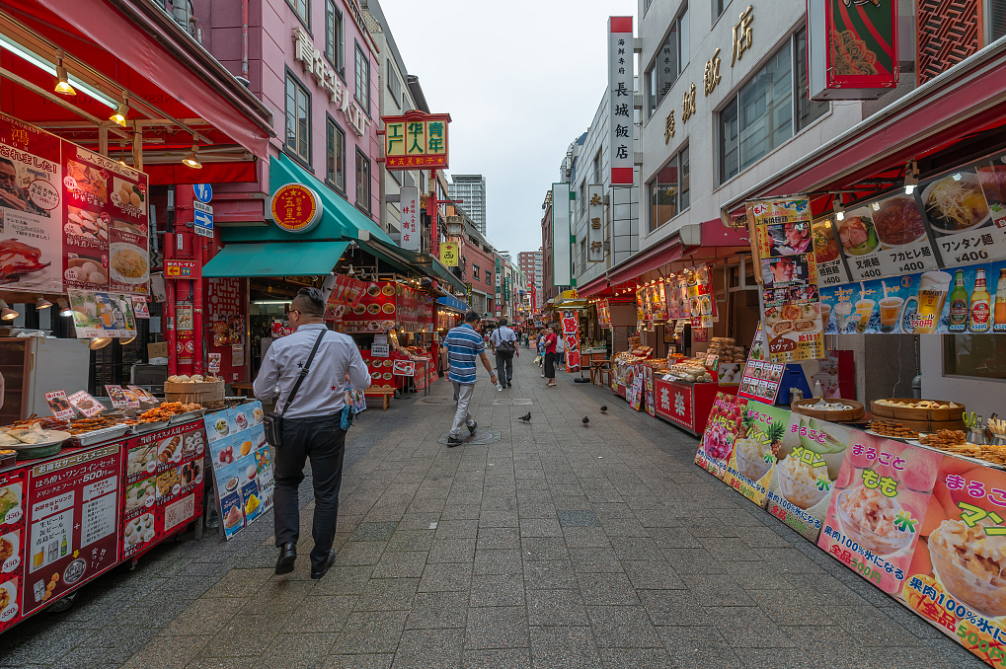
(416, 141)
(620, 126)
(295, 208)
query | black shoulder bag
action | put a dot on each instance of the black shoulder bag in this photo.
(273, 421)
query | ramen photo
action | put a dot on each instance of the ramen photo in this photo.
(955, 203)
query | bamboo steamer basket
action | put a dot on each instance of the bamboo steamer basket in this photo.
(922, 420)
(805, 407)
(209, 394)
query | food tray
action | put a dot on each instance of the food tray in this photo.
(180, 418)
(98, 436)
(143, 428)
(804, 407)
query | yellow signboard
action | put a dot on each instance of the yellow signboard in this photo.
(449, 254)
(416, 140)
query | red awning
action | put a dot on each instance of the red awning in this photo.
(957, 105)
(133, 45)
(669, 250)
(593, 287)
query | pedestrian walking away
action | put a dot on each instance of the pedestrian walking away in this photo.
(461, 346)
(551, 338)
(504, 343)
(310, 398)
(560, 348)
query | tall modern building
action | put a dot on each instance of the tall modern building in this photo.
(471, 190)
(530, 264)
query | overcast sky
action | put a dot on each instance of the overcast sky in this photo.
(521, 80)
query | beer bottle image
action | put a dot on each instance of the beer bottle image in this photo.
(959, 305)
(981, 305)
(999, 315)
(62, 546)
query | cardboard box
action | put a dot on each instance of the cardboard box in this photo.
(158, 350)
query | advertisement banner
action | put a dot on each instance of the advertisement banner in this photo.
(13, 492)
(722, 430)
(603, 314)
(651, 404)
(877, 508)
(756, 450)
(571, 338)
(791, 319)
(102, 314)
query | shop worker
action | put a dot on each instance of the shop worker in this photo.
(461, 346)
(311, 424)
(504, 343)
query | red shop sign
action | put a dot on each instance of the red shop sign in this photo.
(295, 208)
(182, 269)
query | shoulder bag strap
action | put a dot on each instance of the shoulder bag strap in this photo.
(303, 372)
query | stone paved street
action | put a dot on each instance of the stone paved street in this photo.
(553, 546)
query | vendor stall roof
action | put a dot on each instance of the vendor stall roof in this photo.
(275, 259)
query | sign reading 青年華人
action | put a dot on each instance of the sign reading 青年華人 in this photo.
(416, 141)
(295, 208)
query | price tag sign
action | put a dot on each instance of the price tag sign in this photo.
(85, 404)
(214, 363)
(59, 404)
(118, 397)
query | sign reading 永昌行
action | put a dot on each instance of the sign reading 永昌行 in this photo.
(409, 201)
(327, 79)
(416, 140)
(595, 229)
(620, 126)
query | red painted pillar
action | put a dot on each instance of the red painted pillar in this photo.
(169, 307)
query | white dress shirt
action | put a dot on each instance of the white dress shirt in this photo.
(502, 334)
(322, 392)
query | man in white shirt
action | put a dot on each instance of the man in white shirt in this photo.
(504, 343)
(311, 424)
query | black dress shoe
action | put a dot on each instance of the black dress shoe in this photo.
(329, 561)
(287, 556)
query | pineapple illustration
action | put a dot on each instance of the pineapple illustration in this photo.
(775, 432)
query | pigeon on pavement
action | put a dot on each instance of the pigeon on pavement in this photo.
(586, 421)
(526, 417)
(604, 408)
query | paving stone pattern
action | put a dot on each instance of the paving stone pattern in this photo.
(554, 546)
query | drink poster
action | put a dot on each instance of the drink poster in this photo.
(886, 237)
(955, 579)
(791, 317)
(827, 251)
(722, 429)
(756, 450)
(877, 508)
(810, 458)
(969, 299)
(242, 465)
(571, 338)
(73, 523)
(163, 485)
(12, 540)
(102, 314)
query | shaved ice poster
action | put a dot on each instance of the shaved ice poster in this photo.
(722, 429)
(756, 450)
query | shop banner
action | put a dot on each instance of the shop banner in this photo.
(603, 314)
(73, 523)
(102, 314)
(968, 299)
(242, 465)
(571, 338)
(12, 543)
(756, 450)
(162, 485)
(877, 508)
(701, 300)
(955, 579)
(722, 430)
(810, 460)
(792, 322)
(69, 218)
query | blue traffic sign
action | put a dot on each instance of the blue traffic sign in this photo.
(203, 192)
(203, 223)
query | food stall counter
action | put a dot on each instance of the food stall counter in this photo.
(686, 404)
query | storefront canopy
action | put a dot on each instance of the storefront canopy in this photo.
(275, 259)
(452, 303)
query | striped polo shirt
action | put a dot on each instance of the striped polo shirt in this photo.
(464, 345)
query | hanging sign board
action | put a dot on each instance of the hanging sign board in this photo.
(295, 208)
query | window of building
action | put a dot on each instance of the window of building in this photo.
(475, 271)
(597, 168)
(303, 10)
(582, 197)
(335, 151)
(765, 112)
(489, 278)
(995, 19)
(583, 252)
(718, 7)
(668, 192)
(334, 41)
(394, 83)
(298, 119)
(362, 80)
(669, 62)
(362, 181)
(979, 356)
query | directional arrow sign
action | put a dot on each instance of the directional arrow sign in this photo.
(203, 219)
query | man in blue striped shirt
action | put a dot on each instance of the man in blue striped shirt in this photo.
(461, 346)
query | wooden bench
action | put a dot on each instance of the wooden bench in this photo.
(385, 393)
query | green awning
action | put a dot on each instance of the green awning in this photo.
(420, 263)
(275, 259)
(340, 220)
(444, 274)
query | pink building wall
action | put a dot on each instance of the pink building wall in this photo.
(271, 49)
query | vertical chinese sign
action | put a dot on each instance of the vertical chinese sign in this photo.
(792, 318)
(561, 255)
(620, 126)
(595, 218)
(409, 202)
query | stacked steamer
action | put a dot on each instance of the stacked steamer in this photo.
(920, 415)
(727, 349)
(206, 391)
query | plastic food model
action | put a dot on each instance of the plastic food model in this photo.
(970, 565)
(801, 483)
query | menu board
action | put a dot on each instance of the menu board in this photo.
(968, 299)
(346, 294)
(603, 314)
(242, 465)
(791, 318)
(830, 266)
(102, 314)
(760, 380)
(885, 237)
(73, 523)
(162, 485)
(571, 338)
(967, 213)
(649, 398)
(69, 217)
(12, 539)
(383, 306)
(722, 430)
